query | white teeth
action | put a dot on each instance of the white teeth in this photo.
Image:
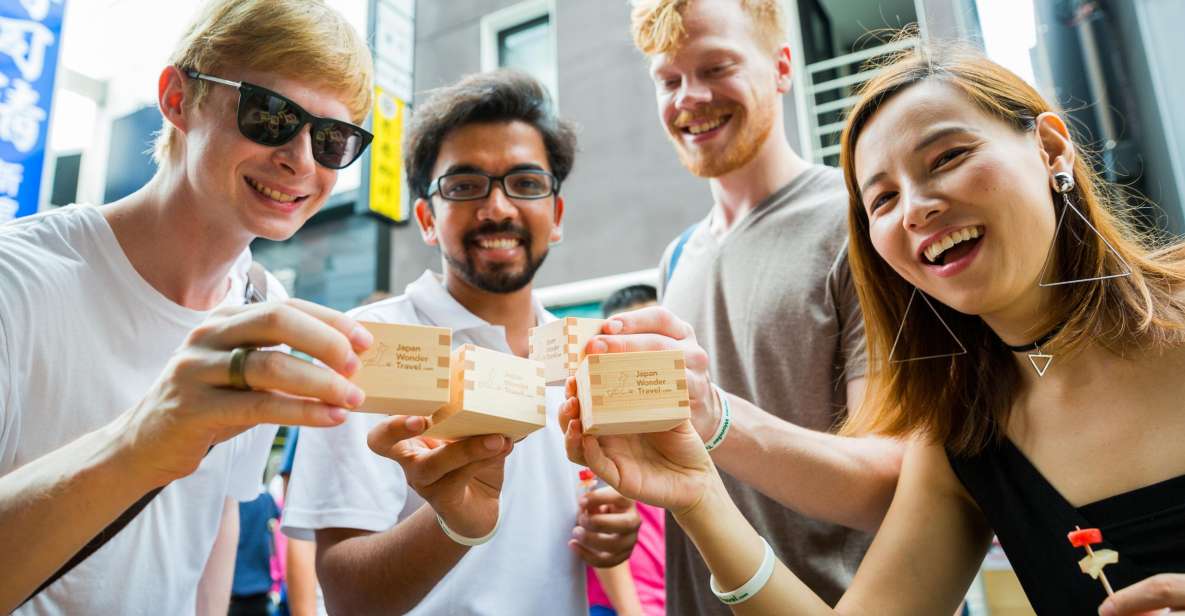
(704, 127)
(934, 250)
(499, 243)
(271, 194)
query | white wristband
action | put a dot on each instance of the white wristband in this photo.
(725, 420)
(468, 541)
(753, 586)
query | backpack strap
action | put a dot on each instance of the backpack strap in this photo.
(678, 251)
(254, 292)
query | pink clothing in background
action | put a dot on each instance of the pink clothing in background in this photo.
(279, 564)
(647, 564)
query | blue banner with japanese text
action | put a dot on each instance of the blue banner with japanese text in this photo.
(30, 37)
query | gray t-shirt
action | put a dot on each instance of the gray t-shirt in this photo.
(773, 304)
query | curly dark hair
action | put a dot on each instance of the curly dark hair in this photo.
(504, 95)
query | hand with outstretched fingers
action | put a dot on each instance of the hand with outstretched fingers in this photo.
(195, 405)
(461, 480)
(1159, 594)
(657, 329)
(606, 528)
(666, 469)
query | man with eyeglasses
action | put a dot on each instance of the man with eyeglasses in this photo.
(129, 362)
(504, 532)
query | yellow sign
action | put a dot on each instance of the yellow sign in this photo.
(386, 157)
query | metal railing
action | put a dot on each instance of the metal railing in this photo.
(831, 87)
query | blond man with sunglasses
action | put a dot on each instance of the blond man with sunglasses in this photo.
(129, 358)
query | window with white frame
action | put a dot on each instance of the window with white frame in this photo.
(522, 36)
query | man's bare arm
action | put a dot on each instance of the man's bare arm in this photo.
(839, 479)
(213, 596)
(384, 573)
(52, 506)
(301, 577)
(843, 480)
(392, 571)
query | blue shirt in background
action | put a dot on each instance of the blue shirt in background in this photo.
(253, 573)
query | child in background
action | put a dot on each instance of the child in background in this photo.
(252, 574)
(636, 587)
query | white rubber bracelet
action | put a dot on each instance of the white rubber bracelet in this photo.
(469, 541)
(725, 420)
(753, 586)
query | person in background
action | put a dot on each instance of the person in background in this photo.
(635, 587)
(629, 298)
(250, 592)
(301, 591)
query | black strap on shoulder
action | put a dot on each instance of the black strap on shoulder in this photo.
(254, 292)
(99, 541)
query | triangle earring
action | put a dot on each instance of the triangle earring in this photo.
(901, 328)
(1065, 185)
(1039, 359)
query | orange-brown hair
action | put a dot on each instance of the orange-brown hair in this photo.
(657, 25)
(305, 40)
(964, 402)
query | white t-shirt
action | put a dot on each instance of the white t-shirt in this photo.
(527, 568)
(82, 338)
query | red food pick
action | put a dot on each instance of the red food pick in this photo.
(586, 475)
(1084, 537)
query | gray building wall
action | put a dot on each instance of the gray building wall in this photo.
(1136, 44)
(947, 20)
(1152, 42)
(627, 195)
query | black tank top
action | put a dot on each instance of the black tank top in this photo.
(1031, 518)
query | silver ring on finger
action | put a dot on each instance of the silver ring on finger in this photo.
(238, 366)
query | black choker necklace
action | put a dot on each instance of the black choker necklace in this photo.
(1040, 359)
(1038, 343)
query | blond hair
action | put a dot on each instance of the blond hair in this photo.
(305, 40)
(657, 25)
(964, 402)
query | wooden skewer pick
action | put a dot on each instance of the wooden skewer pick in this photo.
(1094, 562)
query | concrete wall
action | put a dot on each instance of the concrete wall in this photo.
(627, 195)
(1153, 43)
(1137, 42)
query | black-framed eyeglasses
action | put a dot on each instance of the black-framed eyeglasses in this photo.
(472, 185)
(270, 119)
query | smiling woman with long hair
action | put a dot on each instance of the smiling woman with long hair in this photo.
(1022, 335)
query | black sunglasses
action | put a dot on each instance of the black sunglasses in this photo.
(270, 119)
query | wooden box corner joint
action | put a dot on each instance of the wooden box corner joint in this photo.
(627, 393)
(560, 345)
(491, 393)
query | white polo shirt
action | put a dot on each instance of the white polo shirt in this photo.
(527, 568)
